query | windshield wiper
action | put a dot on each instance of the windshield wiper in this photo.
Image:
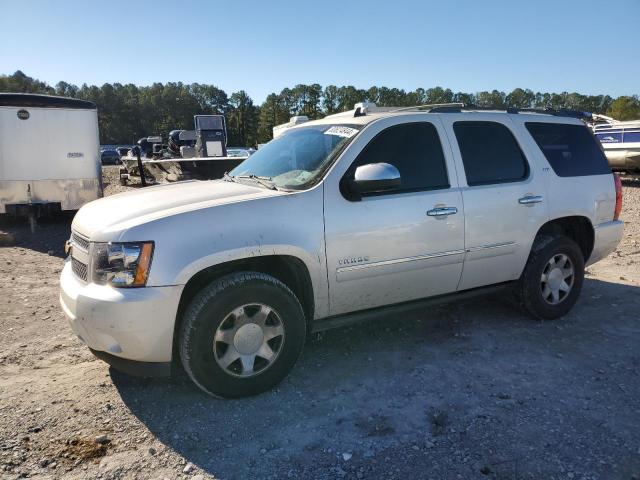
(264, 181)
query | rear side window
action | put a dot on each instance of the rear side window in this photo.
(415, 150)
(571, 150)
(490, 153)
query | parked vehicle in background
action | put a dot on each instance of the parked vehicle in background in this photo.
(109, 157)
(363, 213)
(123, 150)
(49, 154)
(620, 140)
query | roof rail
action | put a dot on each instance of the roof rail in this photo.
(363, 108)
(561, 112)
(431, 106)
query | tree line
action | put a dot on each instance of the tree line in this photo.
(128, 112)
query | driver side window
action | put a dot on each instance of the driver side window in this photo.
(415, 150)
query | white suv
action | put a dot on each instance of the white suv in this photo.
(368, 211)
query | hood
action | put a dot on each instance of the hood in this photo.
(100, 219)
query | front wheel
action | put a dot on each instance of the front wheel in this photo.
(552, 279)
(241, 334)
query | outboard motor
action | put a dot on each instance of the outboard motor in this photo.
(211, 135)
(145, 146)
(174, 142)
(154, 146)
(180, 138)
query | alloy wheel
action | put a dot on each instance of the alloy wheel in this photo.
(248, 340)
(557, 279)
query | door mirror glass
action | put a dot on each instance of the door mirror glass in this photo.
(375, 177)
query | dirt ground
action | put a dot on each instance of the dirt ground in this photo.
(471, 390)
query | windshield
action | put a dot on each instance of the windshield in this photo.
(298, 159)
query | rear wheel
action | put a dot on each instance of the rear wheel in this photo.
(241, 335)
(553, 277)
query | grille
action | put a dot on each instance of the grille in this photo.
(79, 269)
(81, 242)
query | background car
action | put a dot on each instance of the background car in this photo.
(110, 157)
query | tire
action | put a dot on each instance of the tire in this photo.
(553, 301)
(231, 309)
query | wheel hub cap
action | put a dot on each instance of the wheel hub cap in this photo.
(557, 279)
(248, 339)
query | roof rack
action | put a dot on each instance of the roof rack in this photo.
(364, 108)
(562, 112)
(431, 106)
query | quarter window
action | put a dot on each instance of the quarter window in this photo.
(490, 153)
(571, 150)
(415, 150)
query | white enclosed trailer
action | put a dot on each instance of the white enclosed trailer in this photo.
(49, 154)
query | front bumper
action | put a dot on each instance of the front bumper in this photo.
(132, 324)
(607, 236)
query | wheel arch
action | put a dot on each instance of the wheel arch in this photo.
(576, 227)
(290, 270)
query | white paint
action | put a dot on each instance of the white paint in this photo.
(56, 150)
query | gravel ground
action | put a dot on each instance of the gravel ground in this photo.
(470, 390)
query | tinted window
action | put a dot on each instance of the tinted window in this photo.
(415, 150)
(570, 149)
(490, 153)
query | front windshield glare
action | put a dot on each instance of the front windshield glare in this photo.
(298, 159)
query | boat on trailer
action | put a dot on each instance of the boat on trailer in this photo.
(620, 141)
(187, 154)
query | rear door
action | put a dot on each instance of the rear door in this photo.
(392, 247)
(503, 194)
(50, 144)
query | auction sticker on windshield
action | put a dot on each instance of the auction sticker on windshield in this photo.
(346, 132)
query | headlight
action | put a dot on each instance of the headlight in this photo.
(121, 264)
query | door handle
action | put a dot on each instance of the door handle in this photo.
(530, 199)
(441, 212)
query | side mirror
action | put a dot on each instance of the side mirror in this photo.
(374, 178)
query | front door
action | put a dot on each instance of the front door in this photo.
(398, 245)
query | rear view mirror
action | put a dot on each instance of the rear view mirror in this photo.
(375, 178)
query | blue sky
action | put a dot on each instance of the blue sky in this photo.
(263, 46)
